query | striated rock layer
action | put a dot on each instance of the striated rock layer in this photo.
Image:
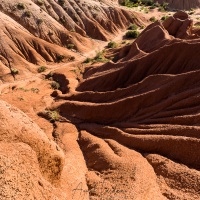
(138, 119)
(41, 32)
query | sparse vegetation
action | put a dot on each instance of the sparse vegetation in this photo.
(163, 18)
(14, 71)
(133, 27)
(39, 21)
(55, 85)
(87, 60)
(72, 58)
(61, 2)
(21, 98)
(20, 6)
(152, 19)
(40, 2)
(70, 46)
(41, 69)
(132, 34)
(112, 44)
(53, 115)
(27, 14)
(163, 7)
(35, 90)
(49, 76)
(100, 57)
(136, 3)
(60, 58)
(142, 27)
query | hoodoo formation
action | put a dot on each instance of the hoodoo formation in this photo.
(99, 100)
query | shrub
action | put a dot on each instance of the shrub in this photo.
(53, 115)
(60, 58)
(152, 19)
(27, 14)
(40, 2)
(49, 76)
(39, 21)
(70, 46)
(41, 69)
(87, 60)
(100, 57)
(133, 27)
(132, 34)
(163, 18)
(55, 85)
(14, 71)
(112, 44)
(20, 6)
(61, 2)
(163, 7)
(147, 2)
(72, 58)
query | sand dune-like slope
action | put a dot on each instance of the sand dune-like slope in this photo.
(138, 119)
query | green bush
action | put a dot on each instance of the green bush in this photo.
(133, 27)
(132, 34)
(53, 115)
(20, 6)
(100, 57)
(40, 2)
(14, 71)
(147, 2)
(152, 19)
(55, 85)
(60, 58)
(87, 60)
(70, 46)
(27, 14)
(41, 69)
(112, 44)
(163, 18)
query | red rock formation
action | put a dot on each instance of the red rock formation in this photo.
(149, 104)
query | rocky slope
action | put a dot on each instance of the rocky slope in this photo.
(35, 33)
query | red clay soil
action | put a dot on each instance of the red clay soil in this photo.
(124, 130)
(138, 119)
(44, 32)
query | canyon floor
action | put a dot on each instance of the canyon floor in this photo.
(90, 112)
